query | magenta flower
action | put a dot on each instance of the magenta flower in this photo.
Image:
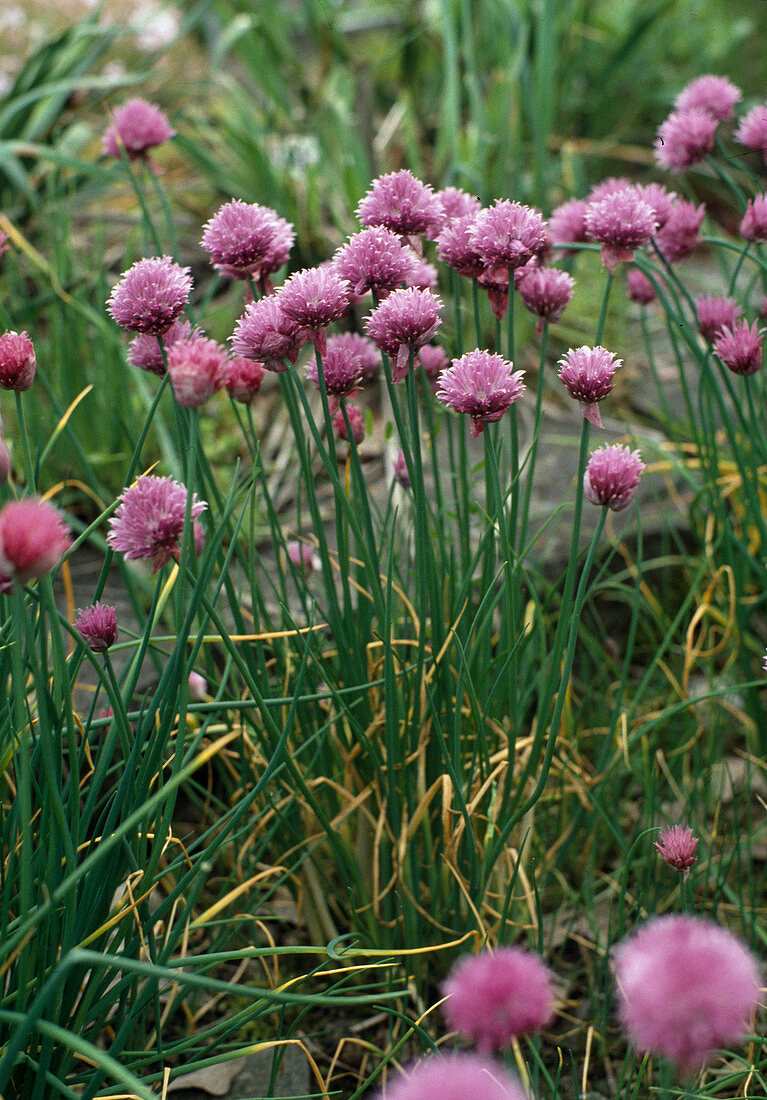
(97, 625)
(150, 295)
(546, 291)
(659, 198)
(567, 223)
(144, 350)
(456, 1077)
(365, 350)
(455, 247)
(714, 94)
(196, 367)
(680, 235)
(587, 374)
(685, 988)
(241, 239)
(496, 995)
(508, 234)
(341, 370)
(312, 298)
(405, 321)
(482, 385)
(752, 131)
(685, 138)
(265, 333)
(677, 845)
(242, 378)
(374, 259)
(402, 203)
(149, 520)
(612, 477)
(434, 360)
(17, 361)
(638, 286)
(401, 472)
(137, 126)
(33, 537)
(714, 313)
(457, 203)
(740, 347)
(754, 224)
(356, 423)
(622, 222)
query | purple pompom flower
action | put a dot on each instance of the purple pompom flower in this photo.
(33, 536)
(149, 520)
(685, 138)
(567, 223)
(150, 295)
(374, 259)
(365, 350)
(714, 94)
(677, 845)
(97, 625)
(714, 313)
(497, 995)
(685, 988)
(137, 126)
(546, 291)
(752, 130)
(241, 239)
(587, 374)
(242, 378)
(740, 347)
(482, 385)
(612, 477)
(638, 286)
(621, 222)
(17, 361)
(457, 1077)
(508, 234)
(144, 350)
(405, 321)
(196, 367)
(268, 335)
(457, 203)
(680, 235)
(404, 204)
(754, 224)
(341, 371)
(455, 247)
(312, 298)
(356, 423)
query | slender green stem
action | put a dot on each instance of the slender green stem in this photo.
(29, 465)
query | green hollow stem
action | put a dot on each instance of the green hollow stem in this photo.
(29, 465)
(603, 309)
(537, 424)
(510, 612)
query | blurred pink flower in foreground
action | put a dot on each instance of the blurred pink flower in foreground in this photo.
(137, 125)
(677, 845)
(149, 520)
(754, 224)
(685, 988)
(587, 374)
(714, 94)
(33, 536)
(481, 384)
(150, 295)
(17, 361)
(612, 476)
(456, 1077)
(97, 625)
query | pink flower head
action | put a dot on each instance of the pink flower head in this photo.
(365, 350)
(680, 236)
(496, 995)
(612, 476)
(752, 131)
(374, 259)
(587, 374)
(740, 347)
(137, 126)
(567, 223)
(714, 313)
(198, 687)
(621, 222)
(301, 556)
(144, 350)
(714, 94)
(422, 274)
(685, 988)
(97, 625)
(265, 333)
(150, 295)
(457, 203)
(33, 537)
(508, 234)
(455, 247)
(456, 1077)
(341, 370)
(677, 845)
(402, 203)
(754, 224)
(17, 361)
(546, 291)
(685, 138)
(312, 298)
(659, 198)
(356, 423)
(149, 520)
(195, 366)
(401, 472)
(638, 286)
(242, 378)
(610, 186)
(406, 320)
(434, 360)
(240, 238)
(480, 384)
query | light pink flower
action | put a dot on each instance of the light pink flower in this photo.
(149, 520)
(404, 204)
(97, 625)
(356, 423)
(622, 222)
(198, 687)
(196, 367)
(685, 988)
(457, 203)
(456, 1077)
(714, 313)
(638, 286)
(546, 291)
(137, 126)
(144, 350)
(496, 995)
(610, 186)
(680, 235)
(17, 361)
(659, 198)
(567, 223)
(612, 477)
(482, 385)
(401, 472)
(241, 239)
(685, 138)
(434, 360)
(754, 224)
(455, 247)
(242, 378)
(752, 130)
(33, 536)
(312, 298)
(740, 347)
(714, 94)
(422, 274)
(374, 259)
(406, 320)
(150, 295)
(365, 350)
(301, 556)
(587, 374)
(508, 234)
(268, 335)
(677, 845)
